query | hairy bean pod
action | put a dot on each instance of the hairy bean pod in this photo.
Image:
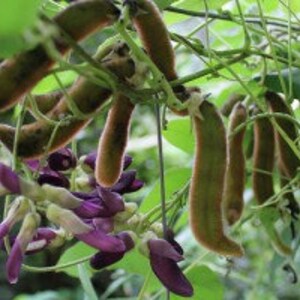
(229, 104)
(154, 35)
(233, 201)
(205, 196)
(113, 141)
(87, 96)
(262, 178)
(20, 73)
(287, 158)
(46, 102)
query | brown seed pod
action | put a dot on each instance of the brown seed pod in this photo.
(207, 183)
(87, 96)
(233, 202)
(287, 158)
(113, 141)
(229, 104)
(262, 179)
(21, 73)
(154, 35)
(45, 102)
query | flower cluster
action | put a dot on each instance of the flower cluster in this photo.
(90, 213)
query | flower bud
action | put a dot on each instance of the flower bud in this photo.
(62, 160)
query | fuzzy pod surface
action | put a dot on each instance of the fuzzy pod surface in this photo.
(20, 73)
(207, 183)
(233, 202)
(113, 141)
(87, 96)
(262, 177)
(45, 102)
(154, 35)
(287, 158)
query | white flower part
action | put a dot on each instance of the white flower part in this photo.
(194, 103)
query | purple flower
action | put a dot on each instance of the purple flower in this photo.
(163, 260)
(98, 203)
(24, 237)
(62, 160)
(127, 183)
(43, 237)
(90, 161)
(53, 178)
(9, 179)
(17, 211)
(103, 259)
(82, 231)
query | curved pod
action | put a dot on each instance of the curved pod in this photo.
(205, 196)
(233, 202)
(262, 178)
(154, 35)
(113, 141)
(21, 73)
(87, 96)
(287, 158)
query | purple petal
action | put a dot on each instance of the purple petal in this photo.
(14, 263)
(113, 201)
(171, 240)
(126, 238)
(104, 259)
(170, 275)
(160, 247)
(62, 160)
(135, 186)
(9, 179)
(127, 161)
(89, 209)
(103, 224)
(100, 240)
(86, 196)
(125, 181)
(41, 240)
(4, 229)
(33, 164)
(54, 178)
(90, 160)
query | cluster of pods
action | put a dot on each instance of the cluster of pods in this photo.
(217, 184)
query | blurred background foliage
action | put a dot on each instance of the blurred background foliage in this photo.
(257, 275)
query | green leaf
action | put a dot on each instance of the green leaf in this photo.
(50, 84)
(76, 252)
(164, 3)
(206, 284)
(174, 180)
(17, 15)
(272, 81)
(11, 44)
(136, 263)
(180, 135)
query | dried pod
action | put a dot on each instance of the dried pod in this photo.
(20, 73)
(113, 141)
(233, 202)
(287, 158)
(262, 177)
(87, 96)
(154, 35)
(205, 197)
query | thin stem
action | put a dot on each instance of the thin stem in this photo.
(232, 18)
(262, 116)
(161, 176)
(57, 268)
